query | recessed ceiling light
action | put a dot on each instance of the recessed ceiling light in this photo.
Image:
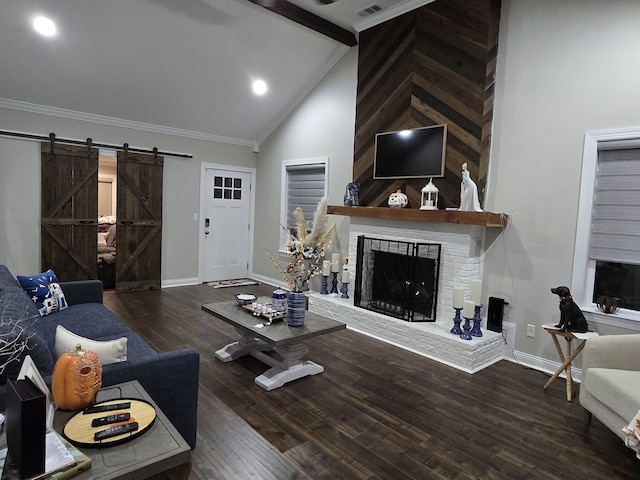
(259, 87)
(44, 26)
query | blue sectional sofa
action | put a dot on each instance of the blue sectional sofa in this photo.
(171, 378)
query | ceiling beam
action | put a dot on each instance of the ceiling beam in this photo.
(309, 20)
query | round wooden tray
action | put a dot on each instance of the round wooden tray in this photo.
(78, 429)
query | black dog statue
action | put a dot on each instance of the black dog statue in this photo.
(571, 317)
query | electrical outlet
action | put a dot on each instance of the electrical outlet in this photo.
(531, 330)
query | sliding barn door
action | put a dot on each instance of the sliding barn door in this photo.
(69, 211)
(139, 221)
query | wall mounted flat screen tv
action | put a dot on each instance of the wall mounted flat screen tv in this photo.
(417, 153)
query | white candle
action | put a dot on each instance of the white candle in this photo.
(335, 262)
(468, 311)
(345, 276)
(476, 289)
(429, 203)
(458, 297)
(326, 268)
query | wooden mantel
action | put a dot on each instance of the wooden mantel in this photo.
(485, 219)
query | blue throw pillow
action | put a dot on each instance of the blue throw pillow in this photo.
(44, 289)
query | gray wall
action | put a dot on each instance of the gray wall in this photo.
(564, 68)
(321, 126)
(20, 192)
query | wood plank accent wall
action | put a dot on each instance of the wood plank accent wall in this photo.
(434, 65)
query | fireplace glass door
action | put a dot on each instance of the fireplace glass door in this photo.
(397, 278)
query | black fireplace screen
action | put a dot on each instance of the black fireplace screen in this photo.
(398, 278)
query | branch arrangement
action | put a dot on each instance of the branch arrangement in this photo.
(14, 339)
(306, 249)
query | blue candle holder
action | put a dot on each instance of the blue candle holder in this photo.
(456, 330)
(477, 319)
(325, 282)
(334, 285)
(345, 290)
(466, 334)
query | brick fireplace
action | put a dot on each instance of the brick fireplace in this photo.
(460, 263)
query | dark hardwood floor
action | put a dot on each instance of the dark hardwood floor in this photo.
(377, 411)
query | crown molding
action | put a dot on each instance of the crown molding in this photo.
(119, 122)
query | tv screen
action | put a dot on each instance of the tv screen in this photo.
(417, 153)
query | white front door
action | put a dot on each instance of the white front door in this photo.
(225, 224)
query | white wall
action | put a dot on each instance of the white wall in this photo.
(20, 205)
(20, 182)
(321, 126)
(564, 68)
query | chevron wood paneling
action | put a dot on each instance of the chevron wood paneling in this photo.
(434, 65)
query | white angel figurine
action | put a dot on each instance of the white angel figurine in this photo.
(468, 193)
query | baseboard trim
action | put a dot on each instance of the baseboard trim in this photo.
(179, 282)
(268, 281)
(543, 365)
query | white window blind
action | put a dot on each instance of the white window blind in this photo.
(615, 227)
(305, 188)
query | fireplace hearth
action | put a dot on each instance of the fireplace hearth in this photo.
(397, 278)
(459, 264)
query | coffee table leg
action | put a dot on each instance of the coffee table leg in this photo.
(291, 367)
(247, 345)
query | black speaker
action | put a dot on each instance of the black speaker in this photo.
(495, 312)
(26, 427)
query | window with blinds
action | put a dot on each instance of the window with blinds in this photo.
(615, 224)
(305, 185)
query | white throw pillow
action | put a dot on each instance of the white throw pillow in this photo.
(102, 239)
(111, 351)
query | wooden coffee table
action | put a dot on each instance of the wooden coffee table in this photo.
(255, 339)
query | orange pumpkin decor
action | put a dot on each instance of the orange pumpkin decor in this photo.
(77, 377)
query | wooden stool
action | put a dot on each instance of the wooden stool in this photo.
(566, 361)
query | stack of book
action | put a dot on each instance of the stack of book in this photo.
(62, 461)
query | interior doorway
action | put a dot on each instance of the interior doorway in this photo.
(107, 207)
(226, 222)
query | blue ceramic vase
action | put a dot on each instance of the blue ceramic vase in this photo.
(296, 303)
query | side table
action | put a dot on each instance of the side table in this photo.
(157, 450)
(568, 358)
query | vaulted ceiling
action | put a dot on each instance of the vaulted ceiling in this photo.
(183, 65)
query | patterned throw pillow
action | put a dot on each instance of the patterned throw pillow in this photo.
(45, 291)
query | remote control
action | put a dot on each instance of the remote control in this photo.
(115, 418)
(107, 408)
(115, 431)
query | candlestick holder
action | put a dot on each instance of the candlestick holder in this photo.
(477, 319)
(456, 330)
(466, 334)
(325, 282)
(345, 290)
(334, 283)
